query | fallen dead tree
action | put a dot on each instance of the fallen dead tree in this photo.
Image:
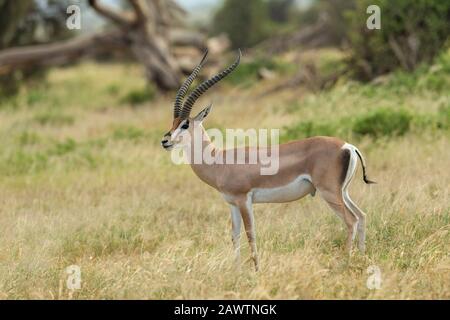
(147, 31)
(59, 53)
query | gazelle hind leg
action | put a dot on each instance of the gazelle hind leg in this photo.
(336, 202)
(362, 221)
(350, 205)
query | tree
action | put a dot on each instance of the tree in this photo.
(11, 13)
(244, 22)
(279, 10)
(411, 32)
(145, 30)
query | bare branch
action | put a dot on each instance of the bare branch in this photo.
(311, 37)
(393, 43)
(176, 12)
(144, 30)
(60, 52)
(175, 7)
(187, 38)
(120, 18)
(139, 11)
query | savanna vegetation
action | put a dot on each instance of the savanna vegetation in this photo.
(85, 181)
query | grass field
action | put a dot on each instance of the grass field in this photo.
(84, 181)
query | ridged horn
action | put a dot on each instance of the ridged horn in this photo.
(188, 104)
(185, 87)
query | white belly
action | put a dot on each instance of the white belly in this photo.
(294, 190)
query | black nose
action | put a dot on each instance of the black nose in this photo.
(164, 141)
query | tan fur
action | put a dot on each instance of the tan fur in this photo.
(319, 157)
(176, 122)
(322, 159)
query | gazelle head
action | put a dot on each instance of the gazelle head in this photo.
(183, 125)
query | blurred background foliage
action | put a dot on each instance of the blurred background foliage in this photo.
(84, 180)
(245, 22)
(413, 32)
(30, 22)
(407, 55)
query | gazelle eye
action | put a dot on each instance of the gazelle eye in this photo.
(185, 125)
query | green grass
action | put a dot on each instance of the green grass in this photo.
(54, 118)
(139, 96)
(379, 123)
(248, 71)
(401, 103)
(383, 122)
(128, 133)
(100, 192)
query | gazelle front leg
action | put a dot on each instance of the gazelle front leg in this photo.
(245, 207)
(236, 222)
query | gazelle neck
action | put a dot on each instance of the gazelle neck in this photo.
(198, 146)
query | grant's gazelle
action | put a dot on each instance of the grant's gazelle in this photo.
(326, 164)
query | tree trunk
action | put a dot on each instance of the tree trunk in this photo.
(60, 52)
(145, 32)
(154, 55)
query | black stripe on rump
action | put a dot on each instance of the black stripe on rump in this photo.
(345, 161)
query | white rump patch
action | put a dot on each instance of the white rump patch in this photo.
(353, 161)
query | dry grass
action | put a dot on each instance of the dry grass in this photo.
(99, 192)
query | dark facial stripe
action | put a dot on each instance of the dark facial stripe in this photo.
(175, 124)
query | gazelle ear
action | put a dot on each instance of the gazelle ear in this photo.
(202, 114)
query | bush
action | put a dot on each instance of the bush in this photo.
(28, 138)
(443, 118)
(245, 22)
(128, 133)
(383, 122)
(62, 148)
(411, 32)
(309, 129)
(426, 79)
(379, 123)
(53, 117)
(139, 96)
(248, 71)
